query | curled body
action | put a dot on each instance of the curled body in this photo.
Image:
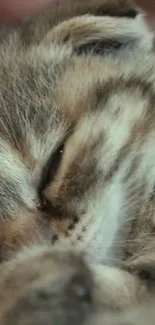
(77, 133)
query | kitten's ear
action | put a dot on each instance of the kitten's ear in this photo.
(99, 35)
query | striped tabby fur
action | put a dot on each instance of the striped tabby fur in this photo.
(77, 166)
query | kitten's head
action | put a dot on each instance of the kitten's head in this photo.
(62, 102)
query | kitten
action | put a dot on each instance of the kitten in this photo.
(77, 148)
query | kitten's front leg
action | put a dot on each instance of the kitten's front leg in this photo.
(55, 286)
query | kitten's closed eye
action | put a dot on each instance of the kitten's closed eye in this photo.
(51, 168)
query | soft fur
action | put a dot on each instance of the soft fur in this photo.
(77, 165)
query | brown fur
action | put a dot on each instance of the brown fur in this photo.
(77, 165)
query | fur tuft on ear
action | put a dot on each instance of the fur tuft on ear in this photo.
(99, 35)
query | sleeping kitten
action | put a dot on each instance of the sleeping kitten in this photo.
(77, 133)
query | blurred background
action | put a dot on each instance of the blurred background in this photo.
(12, 10)
(149, 6)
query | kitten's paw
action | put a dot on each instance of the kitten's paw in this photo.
(46, 286)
